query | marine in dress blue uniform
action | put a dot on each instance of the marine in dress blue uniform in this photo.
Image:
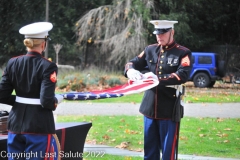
(171, 63)
(31, 128)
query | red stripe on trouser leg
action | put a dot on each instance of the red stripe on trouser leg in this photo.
(52, 153)
(63, 139)
(174, 143)
(48, 144)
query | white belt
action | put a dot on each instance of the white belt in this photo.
(27, 100)
(173, 86)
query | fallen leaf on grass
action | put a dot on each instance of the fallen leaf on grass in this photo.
(226, 141)
(202, 135)
(227, 129)
(134, 132)
(222, 135)
(123, 145)
(122, 120)
(94, 141)
(113, 140)
(110, 130)
(220, 120)
(225, 135)
(106, 137)
(127, 158)
(183, 138)
(140, 142)
(127, 131)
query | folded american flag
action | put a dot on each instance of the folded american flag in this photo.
(148, 81)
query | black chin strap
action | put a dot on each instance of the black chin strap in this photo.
(169, 37)
(46, 40)
(45, 46)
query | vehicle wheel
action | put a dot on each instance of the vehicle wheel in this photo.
(221, 70)
(211, 84)
(201, 80)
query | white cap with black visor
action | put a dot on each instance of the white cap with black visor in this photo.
(162, 26)
(38, 30)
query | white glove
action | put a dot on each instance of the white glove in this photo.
(59, 98)
(134, 75)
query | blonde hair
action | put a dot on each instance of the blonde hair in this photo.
(32, 43)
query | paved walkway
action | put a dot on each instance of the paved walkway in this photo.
(122, 152)
(224, 110)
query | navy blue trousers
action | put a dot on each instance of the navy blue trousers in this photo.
(33, 147)
(159, 135)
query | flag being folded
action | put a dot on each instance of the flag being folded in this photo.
(148, 81)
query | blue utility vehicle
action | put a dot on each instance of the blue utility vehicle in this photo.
(207, 68)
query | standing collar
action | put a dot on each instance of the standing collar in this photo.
(166, 47)
(34, 53)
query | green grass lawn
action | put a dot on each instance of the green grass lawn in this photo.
(198, 136)
(212, 97)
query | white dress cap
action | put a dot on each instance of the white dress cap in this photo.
(162, 26)
(36, 30)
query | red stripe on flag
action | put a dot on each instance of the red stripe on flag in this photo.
(123, 89)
